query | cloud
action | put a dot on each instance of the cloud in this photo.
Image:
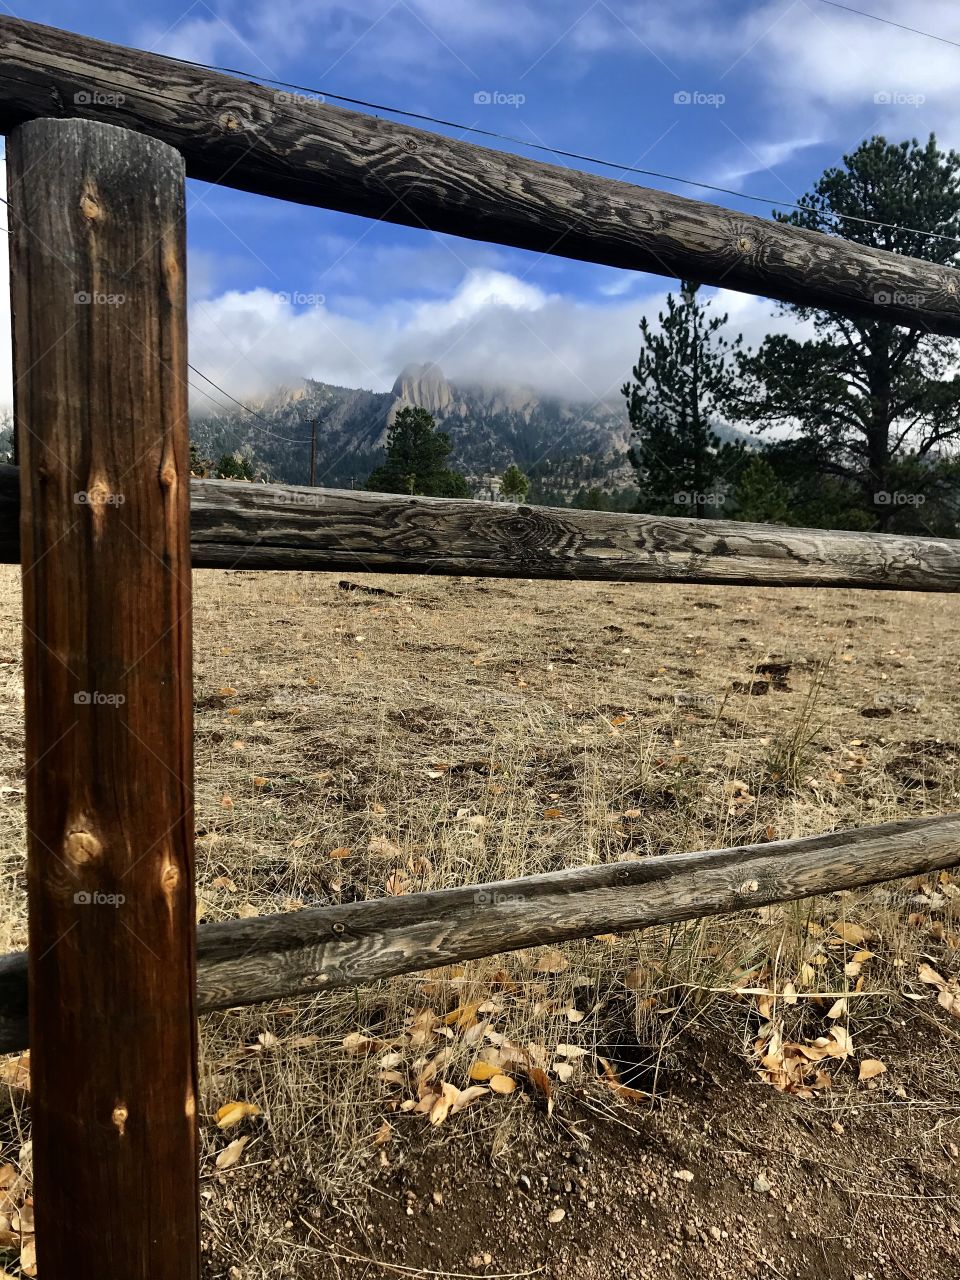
(494, 328)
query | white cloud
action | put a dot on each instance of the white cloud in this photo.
(494, 328)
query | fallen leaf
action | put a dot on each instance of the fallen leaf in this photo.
(870, 1068)
(232, 1153)
(441, 1107)
(552, 962)
(231, 1113)
(466, 1096)
(851, 933)
(502, 1084)
(483, 1071)
(28, 1256)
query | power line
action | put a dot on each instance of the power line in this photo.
(889, 22)
(246, 408)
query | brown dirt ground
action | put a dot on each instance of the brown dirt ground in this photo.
(435, 731)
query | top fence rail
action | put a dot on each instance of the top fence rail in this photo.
(243, 135)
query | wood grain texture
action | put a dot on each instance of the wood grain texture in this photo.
(304, 952)
(280, 144)
(243, 526)
(99, 293)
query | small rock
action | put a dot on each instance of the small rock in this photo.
(556, 1215)
(683, 1175)
(762, 1184)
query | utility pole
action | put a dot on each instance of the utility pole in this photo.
(313, 455)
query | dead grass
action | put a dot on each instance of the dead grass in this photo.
(458, 731)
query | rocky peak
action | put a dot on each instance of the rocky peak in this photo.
(424, 386)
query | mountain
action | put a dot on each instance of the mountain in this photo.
(562, 444)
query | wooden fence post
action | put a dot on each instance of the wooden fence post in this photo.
(98, 289)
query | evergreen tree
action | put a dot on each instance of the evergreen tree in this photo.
(876, 405)
(679, 394)
(514, 485)
(233, 466)
(759, 495)
(416, 459)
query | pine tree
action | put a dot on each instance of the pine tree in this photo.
(871, 405)
(759, 495)
(679, 395)
(416, 459)
(514, 485)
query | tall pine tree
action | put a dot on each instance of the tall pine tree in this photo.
(873, 409)
(678, 396)
(416, 460)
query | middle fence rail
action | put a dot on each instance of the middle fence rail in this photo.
(252, 526)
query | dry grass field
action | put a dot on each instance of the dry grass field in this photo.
(775, 1094)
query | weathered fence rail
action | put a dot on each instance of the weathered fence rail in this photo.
(317, 949)
(253, 526)
(100, 411)
(280, 144)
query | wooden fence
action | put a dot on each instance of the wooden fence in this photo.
(104, 519)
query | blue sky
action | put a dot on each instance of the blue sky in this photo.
(757, 95)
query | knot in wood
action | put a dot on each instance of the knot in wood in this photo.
(339, 927)
(951, 286)
(82, 847)
(120, 1117)
(410, 144)
(90, 206)
(230, 122)
(748, 886)
(744, 244)
(170, 877)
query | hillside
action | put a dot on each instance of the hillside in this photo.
(563, 443)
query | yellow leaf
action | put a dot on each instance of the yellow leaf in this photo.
(870, 1068)
(231, 1113)
(502, 1084)
(232, 1153)
(342, 852)
(837, 1009)
(850, 933)
(226, 692)
(484, 1071)
(384, 1134)
(552, 962)
(553, 813)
